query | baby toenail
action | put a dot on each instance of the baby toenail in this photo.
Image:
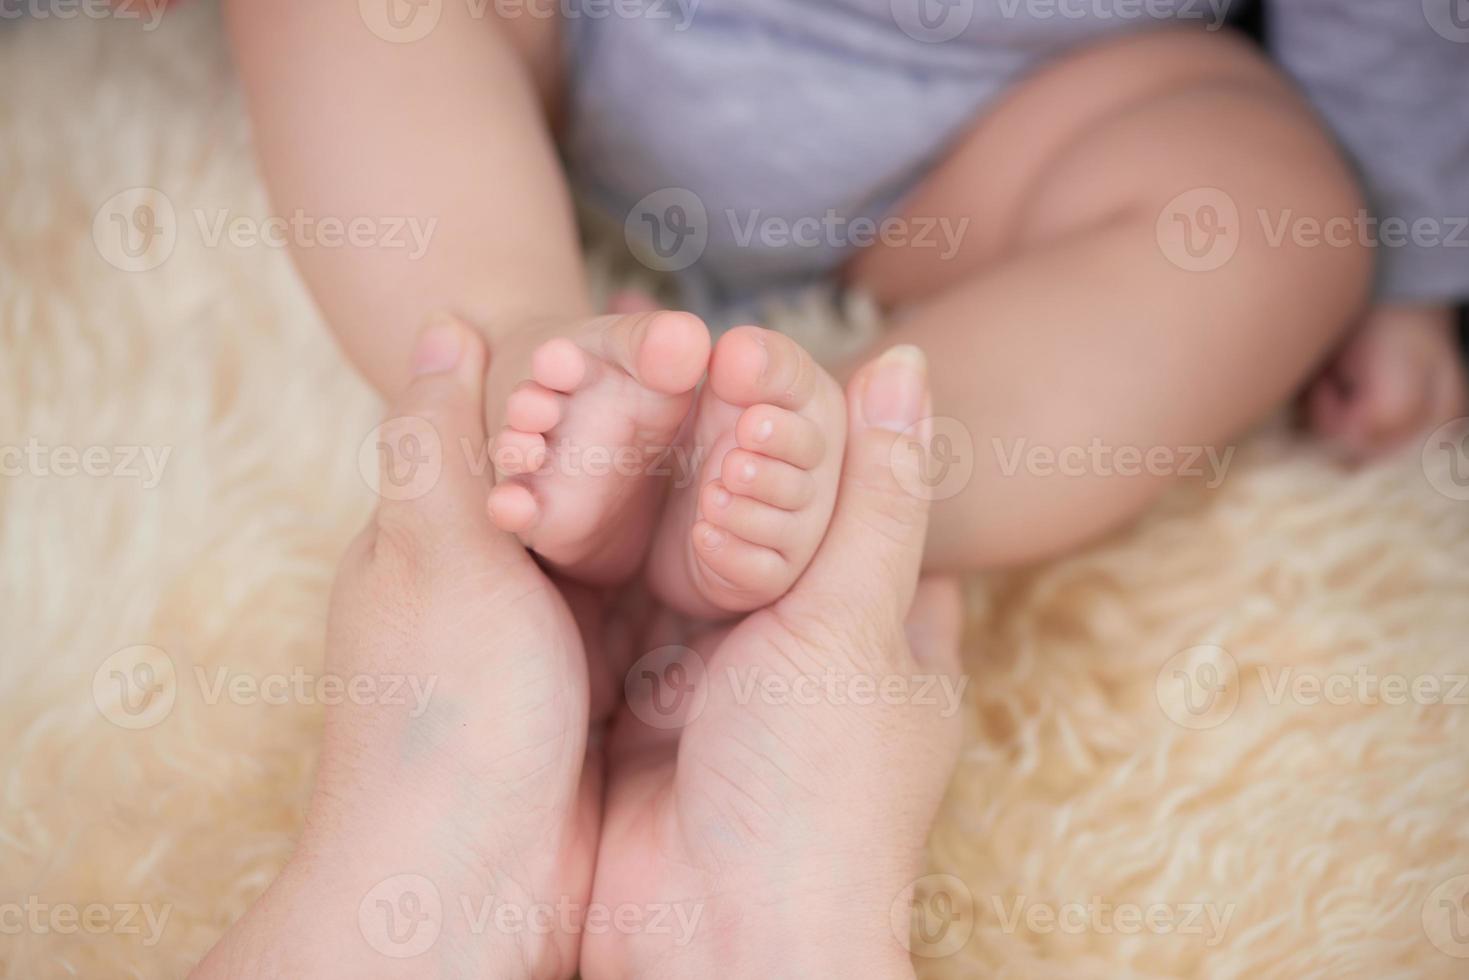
(721, 497)
(764, 431)
(713, 538)
(747, 472)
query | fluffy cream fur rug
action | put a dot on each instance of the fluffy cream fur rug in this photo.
(1157, 781)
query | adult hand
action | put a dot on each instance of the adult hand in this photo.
(452, 827)
(771, 785)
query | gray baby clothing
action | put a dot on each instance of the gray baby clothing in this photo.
(750, 145)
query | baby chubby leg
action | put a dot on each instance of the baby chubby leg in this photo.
(1121, 284)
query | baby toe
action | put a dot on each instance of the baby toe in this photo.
(767, 480)
(751, 365)
(559, 365)
(532, 407)
(519, 452)
(741, 574)
(781, 434)
(664, 350)
(747, 518)
(512, 507)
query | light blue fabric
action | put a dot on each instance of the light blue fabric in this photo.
(755, 141)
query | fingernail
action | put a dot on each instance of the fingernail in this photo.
(764, 359)
(439, 346)
(896, 389)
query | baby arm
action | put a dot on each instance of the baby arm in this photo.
(445, 131)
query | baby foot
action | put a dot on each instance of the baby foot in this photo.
(576, 473)
(768, 436)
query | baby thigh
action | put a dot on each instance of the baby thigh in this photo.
(1145, 248)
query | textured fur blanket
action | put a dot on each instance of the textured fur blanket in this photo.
(1230, 741)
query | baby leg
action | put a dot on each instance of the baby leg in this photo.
(1121, 284)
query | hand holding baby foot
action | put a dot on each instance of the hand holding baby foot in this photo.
(747, 815)
(427, 822)
(431, 812)
(752, 462)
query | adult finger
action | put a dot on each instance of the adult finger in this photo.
(431, 448)
(935, 624)
(874, 546)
